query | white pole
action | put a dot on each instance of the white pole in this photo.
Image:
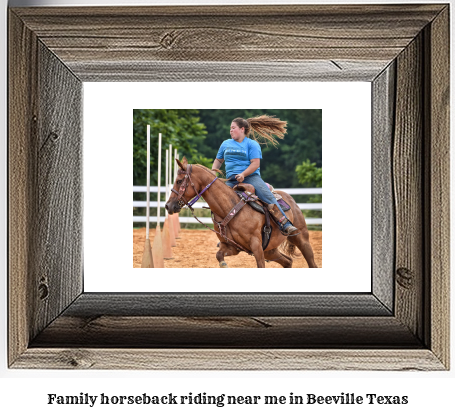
(171, 181)
(175, 164)
(166, 176)
(159, 182)
(148, 182)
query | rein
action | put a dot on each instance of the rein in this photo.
(182, 202)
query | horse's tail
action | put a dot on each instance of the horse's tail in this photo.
(288, 248)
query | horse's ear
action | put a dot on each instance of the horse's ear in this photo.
(179, 163)
(183, 164)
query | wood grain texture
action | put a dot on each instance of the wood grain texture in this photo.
(22, 94)
(383, 215)
(45, 156)
(225, 321)
(255, 332)
(324, 35)
(408, 187)
(235, 359)
(58, 194)
(311, 70)
(90, 305)
(438, 197)
(53, 49)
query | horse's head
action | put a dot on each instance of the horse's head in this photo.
(183, 190)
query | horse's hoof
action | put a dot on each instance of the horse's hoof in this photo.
(223, 264)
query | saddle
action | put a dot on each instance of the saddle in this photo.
(247, 195)
(247, 192)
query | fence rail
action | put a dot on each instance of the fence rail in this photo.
(183, 219)
(291, 191)
(200, 205)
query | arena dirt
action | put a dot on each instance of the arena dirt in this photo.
(197, 249)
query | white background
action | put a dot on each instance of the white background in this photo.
(108, 141)
(25, 391)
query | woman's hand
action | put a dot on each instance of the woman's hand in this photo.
(255, 163)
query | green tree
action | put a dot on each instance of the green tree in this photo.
(308, 174)
(180, 128)
(302, 141)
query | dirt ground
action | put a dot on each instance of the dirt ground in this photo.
(197, 249)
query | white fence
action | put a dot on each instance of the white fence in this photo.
(183, 219)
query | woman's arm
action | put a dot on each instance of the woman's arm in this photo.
(217, 164)
(255, 163)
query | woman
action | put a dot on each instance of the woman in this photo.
(243, 154)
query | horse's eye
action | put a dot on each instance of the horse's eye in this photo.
(179, 182)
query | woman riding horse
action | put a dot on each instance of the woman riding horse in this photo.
(242, 156)
(238, 226)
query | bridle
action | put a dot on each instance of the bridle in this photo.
(181, 199)
(221, 225)
(183, 202)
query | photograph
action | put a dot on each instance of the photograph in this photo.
(222, 203)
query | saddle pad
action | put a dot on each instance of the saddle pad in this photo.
(283, 204)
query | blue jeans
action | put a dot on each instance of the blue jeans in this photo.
(262, 191)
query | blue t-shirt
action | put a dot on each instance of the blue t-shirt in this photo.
(237, 155)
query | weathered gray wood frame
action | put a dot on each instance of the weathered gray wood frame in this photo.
(403, 324)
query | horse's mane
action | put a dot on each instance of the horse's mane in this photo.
(212, 172)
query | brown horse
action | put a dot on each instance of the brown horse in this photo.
(246, 226)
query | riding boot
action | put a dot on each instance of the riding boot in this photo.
(285, 225)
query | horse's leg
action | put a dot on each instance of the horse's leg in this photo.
(256, 248)
(225, 250)
(302, 240)
(277, 256)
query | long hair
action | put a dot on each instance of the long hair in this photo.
(263, 128)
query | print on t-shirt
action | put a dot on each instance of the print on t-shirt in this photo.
(235, 153)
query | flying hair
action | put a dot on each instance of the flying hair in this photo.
(263, 128)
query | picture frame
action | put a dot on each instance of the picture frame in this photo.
(403, 324)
